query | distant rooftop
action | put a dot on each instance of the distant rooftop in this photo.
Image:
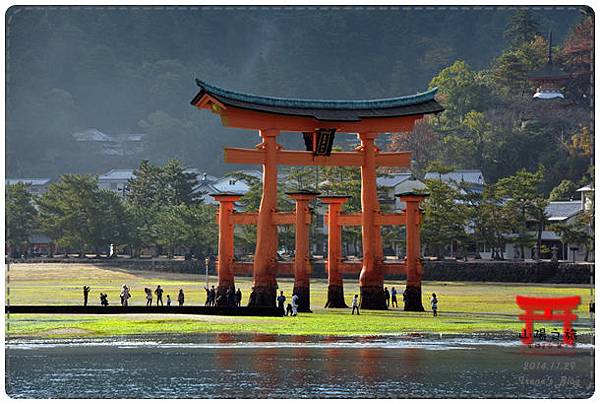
(589, 187)
(562, 210)
(117, 174)
(457, 176)
(27, 181)
(392, 179)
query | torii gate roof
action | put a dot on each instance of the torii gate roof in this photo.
(323, 110)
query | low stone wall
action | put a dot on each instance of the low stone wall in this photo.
(148, 264)
(474, 271)
(509, 271)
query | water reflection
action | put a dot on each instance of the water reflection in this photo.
(256, 366)
(265, 361)
(224, 357)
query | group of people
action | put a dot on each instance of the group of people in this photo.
(159, 293)
(393, 295)
(230, 298)
(125, 295)
(394, 298)
(234, 298)
(291, 309)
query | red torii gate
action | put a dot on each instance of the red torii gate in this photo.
(318, 119)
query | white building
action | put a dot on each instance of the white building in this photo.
(471, 179)
(208, 184)
(396, 183)
(116, 180)
(120, 144)
(560, 212)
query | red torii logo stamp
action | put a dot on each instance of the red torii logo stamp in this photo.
(548, 309)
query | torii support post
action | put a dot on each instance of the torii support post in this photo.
(414, 265)
(371, 276)
(302, 264)
(265, 259)
(226, 279)
(335, 288)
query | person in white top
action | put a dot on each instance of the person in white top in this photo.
(125, 295)
(355, 305)
(295, 305)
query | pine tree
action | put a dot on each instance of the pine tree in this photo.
(521, 28)
(20, 216)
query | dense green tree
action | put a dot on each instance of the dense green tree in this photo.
(563, 191)
(140, 233)
(175, 185)
(108, 221)
(142, 189)
(187, 226)
(20, 216)
(511, 69)
(171, 228)
(577, 232)
(525, 202)
(78, 216)
(445, 221)
(576, 57)
(460, 90)
(522, 27)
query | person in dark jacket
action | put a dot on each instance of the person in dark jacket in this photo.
(180, 297)
(238, 298)
(386, 292)
(86, 293)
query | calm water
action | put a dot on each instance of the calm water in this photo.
(257, 366)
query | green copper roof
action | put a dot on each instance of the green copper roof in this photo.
(319, 104)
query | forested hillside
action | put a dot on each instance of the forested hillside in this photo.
(132, 70)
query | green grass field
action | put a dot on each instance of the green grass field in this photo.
(463, 307)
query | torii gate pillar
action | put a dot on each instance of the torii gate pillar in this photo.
(371, 276)
(335, 288)
(265, 259)
(226, 279)
(302, 266)
(414, 264)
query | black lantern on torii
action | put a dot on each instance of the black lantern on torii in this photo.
(549, 79)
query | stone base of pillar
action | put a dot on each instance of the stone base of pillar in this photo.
(262, 296)
(335, 297)
(372, 298)
(412, 299)
(221, 297)
(303, 293)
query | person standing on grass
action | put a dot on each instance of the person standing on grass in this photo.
(238, 298)
(159, 292)
(148, 296)
(295, 305)
(207, 303)
(230, 296)
(213, 296)
(168, 300)
(394, 297)
(434, 303)
(125, 295)
(180, 297)
(86, 293)
(386, 292)
(355, 305)
(281, 302)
